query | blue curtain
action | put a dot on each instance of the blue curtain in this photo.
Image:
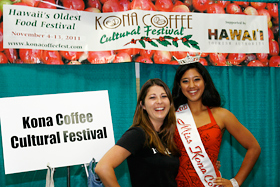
(24, 80)
(251, 93)
(253, 96)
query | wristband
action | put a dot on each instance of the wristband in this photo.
(234, 182)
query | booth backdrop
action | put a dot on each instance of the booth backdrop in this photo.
(251, 93)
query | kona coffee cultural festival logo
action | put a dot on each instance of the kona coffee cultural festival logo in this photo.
(158, 29)
(74, 118)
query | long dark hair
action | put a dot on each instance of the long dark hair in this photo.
(210, 96)
(141, 119)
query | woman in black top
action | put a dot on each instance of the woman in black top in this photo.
(148, 145)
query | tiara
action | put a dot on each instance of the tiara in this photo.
(188, 59)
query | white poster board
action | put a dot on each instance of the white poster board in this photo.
(56, 129)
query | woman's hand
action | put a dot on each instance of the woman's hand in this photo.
(222, 182)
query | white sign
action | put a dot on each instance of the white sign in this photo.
(68, 30)
(57, 129)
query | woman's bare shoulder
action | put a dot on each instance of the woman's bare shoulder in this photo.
(220, 111)
(221, 115)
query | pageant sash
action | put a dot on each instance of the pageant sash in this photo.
(194, 147)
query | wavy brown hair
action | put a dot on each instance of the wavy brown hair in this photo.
(165, 138)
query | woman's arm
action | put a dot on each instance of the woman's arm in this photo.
(105, 167)
(247, 140)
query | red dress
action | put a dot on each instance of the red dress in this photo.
(211, 136)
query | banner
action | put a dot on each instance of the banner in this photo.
(48, 29)
(222, 33)
(56, 130)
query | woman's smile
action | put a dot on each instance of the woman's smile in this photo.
(157, 105)
(192, 85)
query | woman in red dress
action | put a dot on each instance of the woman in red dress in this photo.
(193, 86)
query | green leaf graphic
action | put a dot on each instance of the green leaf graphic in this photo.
(186, 44)
(187, 37)
(142, 43)
(166, 40)
(196, 46)
(192, 42)
(153, 43)
(168, 43)
(175, 43)
(164, 43)
(168, 37)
